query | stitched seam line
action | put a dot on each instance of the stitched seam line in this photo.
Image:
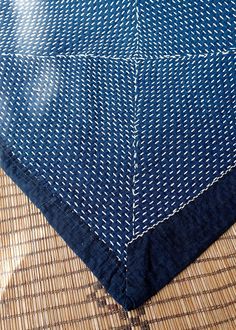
(135, 145)
(66, 56)
(135, 57)
(185, 204)
(135, 128)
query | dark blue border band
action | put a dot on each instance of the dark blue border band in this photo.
(155, 258)
(95, 254)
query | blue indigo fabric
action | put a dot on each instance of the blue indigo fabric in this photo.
(118, 120)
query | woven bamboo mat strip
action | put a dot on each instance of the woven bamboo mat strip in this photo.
(43, 285)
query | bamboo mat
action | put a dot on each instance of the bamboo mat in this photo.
(43, 285)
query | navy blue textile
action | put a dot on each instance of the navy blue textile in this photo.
(118, 120)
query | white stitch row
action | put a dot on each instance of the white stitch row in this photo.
(130, 58)
(187, 203)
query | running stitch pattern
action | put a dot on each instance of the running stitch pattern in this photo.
(124, 109)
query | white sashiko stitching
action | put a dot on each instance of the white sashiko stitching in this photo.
(124, 109)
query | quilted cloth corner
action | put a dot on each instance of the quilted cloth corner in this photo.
(117, 119)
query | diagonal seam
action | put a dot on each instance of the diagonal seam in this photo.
(218, 178)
